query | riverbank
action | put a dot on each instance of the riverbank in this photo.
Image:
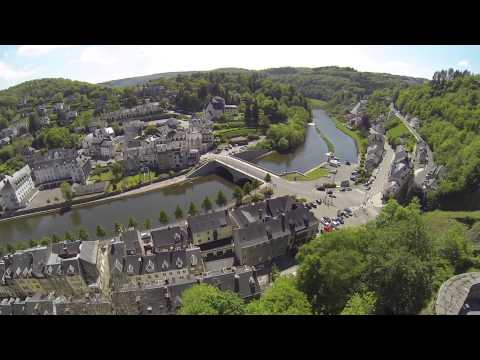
(360, 140)
(313, 174)
(96, 201)
(331, 147)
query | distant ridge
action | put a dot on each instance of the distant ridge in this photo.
(140, 80)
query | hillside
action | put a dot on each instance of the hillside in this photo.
(340, 87)
(140, 80)
(449, 110)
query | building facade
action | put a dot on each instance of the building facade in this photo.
(17, 190)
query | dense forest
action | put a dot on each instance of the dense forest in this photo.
(449, 110)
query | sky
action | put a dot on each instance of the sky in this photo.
(98, 63)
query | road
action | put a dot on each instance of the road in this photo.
(420, 170)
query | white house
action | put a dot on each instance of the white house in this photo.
(17, 190)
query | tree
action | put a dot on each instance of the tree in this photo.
(68, 236)
(10, 248)
(150, 130)
(55, 238)
(34, 123)
(283, 145)
(58, 137)
(117, 171)
(192, 210)
(118, 228)
(45, 241)
(100, 231)
(32, 243)
(147, 223)
(238, 194)
(247, 188)
(268, 178)
(83, 234)
(178, 213)
(360, 304)
(282, 298)
(204, 299)
(66, 190)
(132, 222)
(163, 218)
(206, 204)
(392, 256)
(221, 200)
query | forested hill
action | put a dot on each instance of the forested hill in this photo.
(341, 87)
(449, 110)
(140, 80)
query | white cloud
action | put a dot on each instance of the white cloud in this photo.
(100, 55)
(7, 73)
(463, 63)
(34, 50)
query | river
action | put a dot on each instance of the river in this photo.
(314, 149)
(140, 207)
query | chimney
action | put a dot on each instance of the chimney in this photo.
(282, 217)
(260, 214)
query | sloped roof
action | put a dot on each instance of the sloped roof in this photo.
(210, 221)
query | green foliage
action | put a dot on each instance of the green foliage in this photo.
(178, 213)
(203, 299)
(55, 238)
(207, 204)
(450, 117)
(83, 234)
(147, 223)
(66, 190)
(132, 222)
(118, 228)
(192, 209)
(100, 231)
(393, 257)
(163, 218)
(58, 137)
(360, 304)
(238, 194)
(68, 236)
(221, 199)
(282, 298)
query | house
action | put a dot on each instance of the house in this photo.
(166, 238)
(5, 141)
(58, 107)
(99, 144)
(270, 229)
(17, 190)
(209, 227)
(375, 151)
(400, 173)
(215, 108)
(231, 109)
(57, 166)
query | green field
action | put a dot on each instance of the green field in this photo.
(316, 103)
(310, 175)
(360, 140)
(398, 134)
(235, 132)
(331, 147)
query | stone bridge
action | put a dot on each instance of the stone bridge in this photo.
(228, 171)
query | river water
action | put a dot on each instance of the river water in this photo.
(140, 207)
(314, 149)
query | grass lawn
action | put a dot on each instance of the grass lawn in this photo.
(313, 174)
(354, 134)
(331, 147)
(316, 103)
(235, 132)
(400, 133)
(438, 222)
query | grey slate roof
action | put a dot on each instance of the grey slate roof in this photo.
(166, 237)
(210, 221)
(132, 241)
(116, 255)
(133, 264)
(223, 279)
(254, 233)
(70, 248)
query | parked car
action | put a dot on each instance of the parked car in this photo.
(349, 189)
(343, 189)
(347, 163)
(321, 188)
(314, 205)
(329, 192)
(319, 202)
